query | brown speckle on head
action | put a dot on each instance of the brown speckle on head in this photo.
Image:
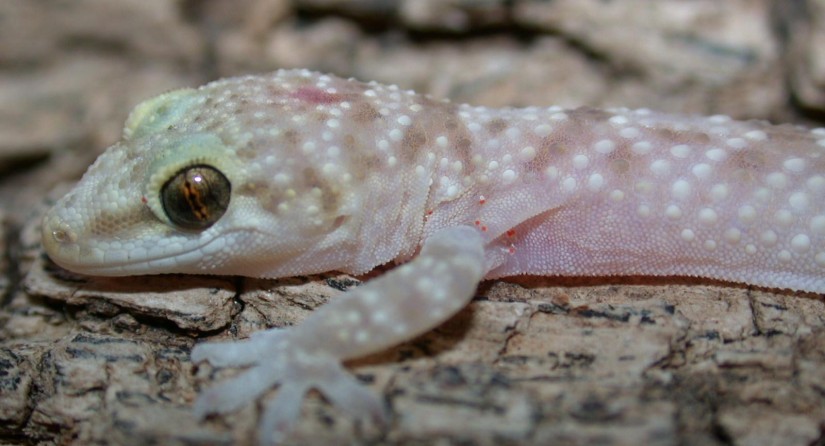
(496, 126)
(349, 142)
(747, 159)
(247, 152)
(292, 137)
(414, 138)
(589, 114)
(363, 112)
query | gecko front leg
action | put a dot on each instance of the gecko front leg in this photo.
(396, 307)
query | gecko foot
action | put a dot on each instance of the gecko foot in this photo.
(273, 363)
(239, 353)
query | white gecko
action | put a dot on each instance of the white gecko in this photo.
(297, 173)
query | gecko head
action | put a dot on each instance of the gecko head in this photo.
(194, 188)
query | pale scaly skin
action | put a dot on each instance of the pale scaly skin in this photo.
(333, 174)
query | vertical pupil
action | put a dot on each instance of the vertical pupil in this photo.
(196, 197)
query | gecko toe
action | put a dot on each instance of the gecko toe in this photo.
(238, 391)
(239, 353)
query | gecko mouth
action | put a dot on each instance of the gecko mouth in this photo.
(118, 263)
(61, 245)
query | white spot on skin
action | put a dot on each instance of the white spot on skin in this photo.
(595, 182)
(733, 235)
(673, 212)
(707, 216)
(680, 190)
(794, 165)
(717, 155)
(680, 151)
(641, 147)
(687, 235)
(719, 192)
(768, 238)
(800, 243)
(353, 317)
(580, 161)
(616, 195)
(777, 180)
(629, 133)
(710, 245)
(281, 179)
(643, 210)
(799, 201)
(784, 256)
(543, 130)
(404, 120)
(747, 214)
(618, 120)
(569, 184)
(816, 183)
(756, 135)
(604, 146)
(424, 285)
(736, 143)
(763, 194)
(508, 176)
(750, 249)
(701, 171)
(660, 167)
(527, 153)
(442, 141)
(361, 336)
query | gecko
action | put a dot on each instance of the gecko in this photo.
(298, 172)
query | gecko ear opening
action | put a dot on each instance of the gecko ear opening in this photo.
(195, 197)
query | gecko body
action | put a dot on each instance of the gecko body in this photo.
(298, 173)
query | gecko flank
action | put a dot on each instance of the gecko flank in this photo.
(298, 172)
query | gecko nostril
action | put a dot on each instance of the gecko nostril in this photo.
(60, 236)
(59, 232)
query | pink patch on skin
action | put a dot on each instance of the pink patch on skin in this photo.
(315, 96)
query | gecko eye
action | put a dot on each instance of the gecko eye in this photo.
(195, 197)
